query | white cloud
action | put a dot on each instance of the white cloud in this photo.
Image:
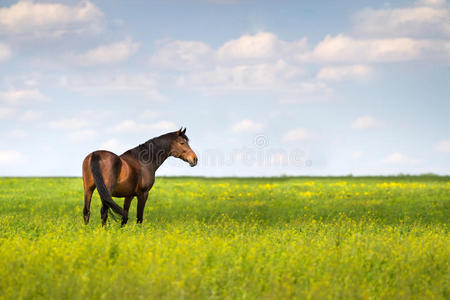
(127, 126)
(18, 133)
(69, 123)
(164, 125)
(5, 52)
(20, 96)
(247, 126)
(425, 18)
(304, 91)
(298, 134)
(262, 63)
(10, 157)
(398, 158)
(49, 20)
(259, 77)
(250, 63)
(31, 115)
(107, 54)
(141, 84)
(181, 55)
(338, 73)
(148, 114)
(6, 112)
(344, 48)
(366, 122)
(82, 135)
(436, 3)
(259, 47)
(30, 79)
(133, 126)
(443, 146)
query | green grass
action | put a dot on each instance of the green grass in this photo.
(315, 238)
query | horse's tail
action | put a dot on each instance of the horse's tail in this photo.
(105, 196)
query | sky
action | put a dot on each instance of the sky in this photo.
(264, 88)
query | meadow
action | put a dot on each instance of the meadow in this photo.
(231, 238)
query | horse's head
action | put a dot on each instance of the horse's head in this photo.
(180, 148)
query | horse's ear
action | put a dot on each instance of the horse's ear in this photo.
(183, 131)
(179, 131)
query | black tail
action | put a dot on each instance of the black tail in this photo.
(107, 200)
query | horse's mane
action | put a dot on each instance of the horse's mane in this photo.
(161, 142)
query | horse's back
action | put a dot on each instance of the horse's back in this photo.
(109, 164)
(103, 156)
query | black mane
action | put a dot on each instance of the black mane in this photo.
(158, 144)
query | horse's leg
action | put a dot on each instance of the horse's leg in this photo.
(104, 210)
(110, 181)
(104, 214)
(89, 187)
(126, 207)
(142, 198)
(87, 203)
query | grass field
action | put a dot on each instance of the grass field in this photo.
(315, 238)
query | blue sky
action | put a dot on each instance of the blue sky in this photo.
(264, 87)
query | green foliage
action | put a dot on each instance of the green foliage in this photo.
(315, 238)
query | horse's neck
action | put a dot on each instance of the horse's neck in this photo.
(159, 161)
(158, 153)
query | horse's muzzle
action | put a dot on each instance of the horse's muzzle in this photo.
(193, 162)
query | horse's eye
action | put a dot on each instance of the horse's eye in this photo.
(182, 143)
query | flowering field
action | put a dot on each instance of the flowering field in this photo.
(379, 238)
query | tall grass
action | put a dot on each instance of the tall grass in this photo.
(378, 238)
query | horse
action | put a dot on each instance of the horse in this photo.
(131, 174)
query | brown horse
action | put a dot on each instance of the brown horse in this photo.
(130, 174)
